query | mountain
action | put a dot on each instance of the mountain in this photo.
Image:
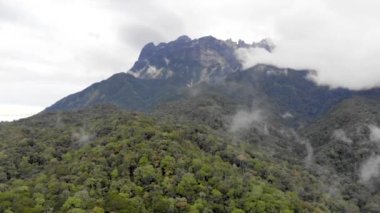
(162, 72)
(173, 71)
(206, 59)
(188, 129)
(188, 61)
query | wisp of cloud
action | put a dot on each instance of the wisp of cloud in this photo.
(243, 119)
(325, 37)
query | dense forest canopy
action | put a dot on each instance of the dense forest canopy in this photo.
(106, 160)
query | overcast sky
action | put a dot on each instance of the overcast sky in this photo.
(52, 48)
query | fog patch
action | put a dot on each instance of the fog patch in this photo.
(243, 120)
(58, 121)
(340, 135)
(374, 135)
(287, 115)
(190, 84)
(309, 159)
(82, 137)
(266, 129)
(370, 169)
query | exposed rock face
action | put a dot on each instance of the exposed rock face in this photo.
(206, 59)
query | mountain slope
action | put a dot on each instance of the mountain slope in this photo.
(346, 141)
(122, 90)
(289, 90)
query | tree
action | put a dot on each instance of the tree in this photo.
(168, 165)
(145, 174)
(188, 186)
(73, 202)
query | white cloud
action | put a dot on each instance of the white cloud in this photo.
(327, 38)
(12, 112)
(340, 134)
(243, 120)
(370, 169)
(374, 135)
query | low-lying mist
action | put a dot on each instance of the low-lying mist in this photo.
(243, 119)
(82, 137)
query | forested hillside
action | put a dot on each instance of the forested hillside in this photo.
(106, 160)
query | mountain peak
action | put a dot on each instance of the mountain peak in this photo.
(266, 44)
(147, 50)
(183, 38)
(190, 61)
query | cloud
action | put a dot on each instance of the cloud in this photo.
(309, 159)
(326, 37)
(244, 119)
(82, 137)
(12, 12)
(370, 169)
(12, 112)
(374, 134)
(287, 115)
(340, 134)
(138, 35)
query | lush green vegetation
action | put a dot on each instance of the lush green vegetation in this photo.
(105, 160)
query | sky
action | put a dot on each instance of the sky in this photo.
(52, 48)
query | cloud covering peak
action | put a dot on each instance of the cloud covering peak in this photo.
(339, 41)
